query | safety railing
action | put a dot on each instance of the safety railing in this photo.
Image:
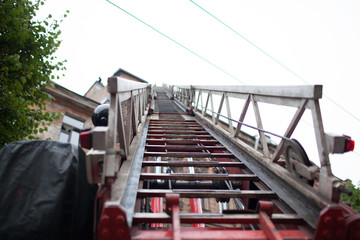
(115, 150)
(129, 103)
(299, 97)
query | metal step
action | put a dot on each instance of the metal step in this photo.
(193, 164)
(185, 193)
(199, 176)
(184, 165)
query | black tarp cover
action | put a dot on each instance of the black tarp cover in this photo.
(44, 193)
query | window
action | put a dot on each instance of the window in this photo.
(70, 130)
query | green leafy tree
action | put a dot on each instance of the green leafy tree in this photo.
(354, 199)
(27, 65)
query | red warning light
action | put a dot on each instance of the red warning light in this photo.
(349, 145)
(86, 139)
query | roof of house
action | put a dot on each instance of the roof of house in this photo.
(95, 83)
(98, 91)
(120, 70)
(77, 99)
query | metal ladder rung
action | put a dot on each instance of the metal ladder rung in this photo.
(178, 136)
(215, 218)
(162, 131)
(176, 128)
(182, 141)
(167, 120)
(193, 164)
(178, 122)
(174, 125)
(183, 147)
(181, 184)
(257, 194)
(188, 154)
(199, 176)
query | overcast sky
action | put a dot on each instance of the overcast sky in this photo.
(257, 43)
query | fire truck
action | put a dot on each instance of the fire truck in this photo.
(171, 162)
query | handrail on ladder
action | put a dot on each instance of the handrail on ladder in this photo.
(130, 103)
(300, 97)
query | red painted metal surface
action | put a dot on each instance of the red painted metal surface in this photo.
(196, 207)
(266, 209)
(86, 139)
(112, 224)
(156, 207)
(172, 208)
(338, 222)
(214, 234)
(268, 231)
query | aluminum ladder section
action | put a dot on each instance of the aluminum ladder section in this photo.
(193, 187)
(171, 175)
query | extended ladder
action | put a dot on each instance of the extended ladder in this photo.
(233, 202)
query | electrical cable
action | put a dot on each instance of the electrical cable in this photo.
(222, 70)
(274, 59)
(171, 39)
(176, 42)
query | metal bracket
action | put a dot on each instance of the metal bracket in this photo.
(265, 211)
(298, 163)
(172, 208)
(113, 224)
(94, 165)
(338, 222)
(331, 224)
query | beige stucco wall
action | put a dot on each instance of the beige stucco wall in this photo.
(70, 104)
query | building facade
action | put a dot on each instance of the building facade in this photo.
(77, 109)
(76, 114)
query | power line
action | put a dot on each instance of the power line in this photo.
(182, 45)
(253, 44)
(273, 58)
(217, 67)
(173, 40)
